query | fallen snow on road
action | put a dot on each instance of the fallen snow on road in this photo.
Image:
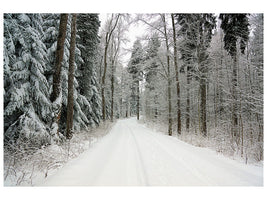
(133, 155)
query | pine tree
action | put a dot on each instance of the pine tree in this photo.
(135, 69)
(88, 41)
(82, 106)
(27, 105)
(80, 120)
(151, 77)
(235, 27)
(50, 27)
(197, 40)
(186, 49)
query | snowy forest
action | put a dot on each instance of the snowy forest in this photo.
(68, 78)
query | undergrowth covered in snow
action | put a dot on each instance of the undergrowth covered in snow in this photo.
(28, 166)
(218, 140)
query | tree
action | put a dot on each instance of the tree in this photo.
(151, 76)
(179, 124)
(168, 74)
(71, 78)
(186, 49)
(197, 40)
(117, 39)
(59, 56)
(27, 106)
(160, 25)
(86, 108)
(56, 92)
(88, 43)
(134, 68)
(235, 27)
(206, 24)
(110, 29)
(255, 82)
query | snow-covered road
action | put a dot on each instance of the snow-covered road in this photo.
(133, 155)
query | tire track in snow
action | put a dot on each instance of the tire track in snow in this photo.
(139, 157)
(152, 141)
(203, 171)
(194, 171)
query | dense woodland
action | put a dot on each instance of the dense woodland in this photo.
(197, 75)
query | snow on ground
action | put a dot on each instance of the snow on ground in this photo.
(134, 155)
(27, 168)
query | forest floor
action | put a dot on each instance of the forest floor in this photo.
(134, 155)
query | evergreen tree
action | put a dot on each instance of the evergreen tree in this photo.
(151, 77)
(197, 38)
(186, 49)
(235, 27)
(84, 111)
(88, 41)
(50, 27)
(135, 69)
(80, 121)
(27, 105)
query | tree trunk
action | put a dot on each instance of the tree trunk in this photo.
(234, 94)
(107, 40)
(169, 78)
(179, 124)
(138, 100)
(103, 83)
(187, 115)
(71, 78)
(112, 92)
(203, 116)
(59, 57)
(56, 91)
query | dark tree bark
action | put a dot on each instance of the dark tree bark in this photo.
(179, 124)
(71, 77)
(187, 114)
(59, 56)
(203, 112)
(57, 73)
(234, 94)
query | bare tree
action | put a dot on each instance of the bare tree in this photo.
(169, 75)
(115, 46)
(158, 25)
(179, 124)
(110, 29)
